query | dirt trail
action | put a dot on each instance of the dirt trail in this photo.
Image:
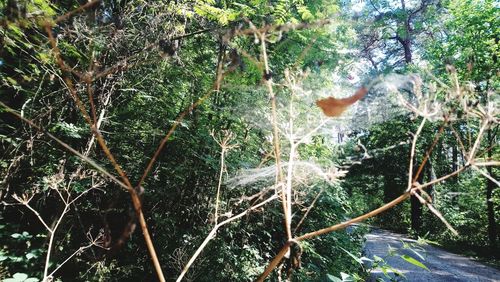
(443, 266)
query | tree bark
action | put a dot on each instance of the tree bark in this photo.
(490, 186)
(416, 214)
(416, 207)
(406, 43)
(407, 48)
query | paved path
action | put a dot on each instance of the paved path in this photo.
(443, 266)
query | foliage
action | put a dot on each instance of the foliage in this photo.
(111, 78)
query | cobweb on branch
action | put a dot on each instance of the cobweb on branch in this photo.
(381, 103)
(303, 172)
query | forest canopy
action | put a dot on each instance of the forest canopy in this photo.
(242, 140)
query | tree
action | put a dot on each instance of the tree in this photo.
(390, 32)
(471, 46)
(116, 76)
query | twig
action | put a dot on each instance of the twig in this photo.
(275, 261)
(473, 151)
(52, 231)
(67, 147)
(412, 154)
(216, 85)
(279, 173)
(77, 10)
(136, 201)
(429, 151)
(414, 192)
(486, 175)
(79, 251)
(437, 180)
(311, 206)
(492, 163)
(212, 233)
(291, 158)
(93, 242)
(225, 145)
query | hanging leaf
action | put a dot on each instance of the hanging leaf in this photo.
(334, 107)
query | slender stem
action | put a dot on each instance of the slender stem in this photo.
(136, 202)
(222, 153)
(459, 139)
(354, 220)
(486, 175)
(311, 206)
(412, 153)
(80, 250)
(279, 172)
(291, 158)
(310, 133)
(478, 140)
(39, 217)
(342, 225)
(47, 257)
(84, 158)
(177, 121)
(98, 124)
(51, 242)
(434, 211)
(437, 180)
(431, 148)
(77, 10)
(492, 163)
(274, 263)
(212, 233)
(145, 233)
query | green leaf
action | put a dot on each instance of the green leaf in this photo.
(357, 259)
(20, 276)
(365, 259)
(333, 278)
(346, 277)
(11, 80)
(414, 262)
(418, 254)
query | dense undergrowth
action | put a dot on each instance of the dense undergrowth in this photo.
(249, 164)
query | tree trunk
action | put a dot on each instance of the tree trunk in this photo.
(454, 160)
(406, 43)
(416, 207)
(490, 186)
(391, 188)
(407, 48)
(416, 214)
